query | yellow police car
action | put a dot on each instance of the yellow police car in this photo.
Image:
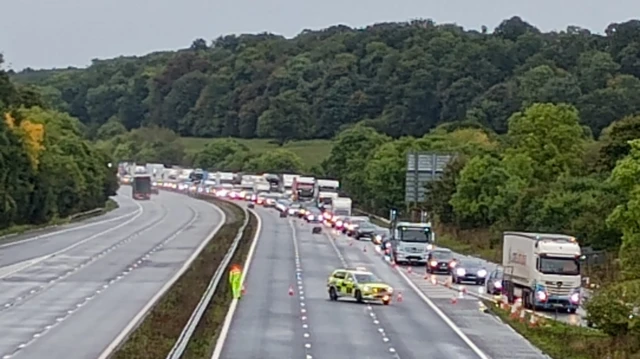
(360, 284)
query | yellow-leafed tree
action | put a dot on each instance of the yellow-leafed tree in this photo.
(32, 135)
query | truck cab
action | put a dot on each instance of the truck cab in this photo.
(410, 242)
(543, 270)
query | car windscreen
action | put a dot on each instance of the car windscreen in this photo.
(469, 263)
(366, 226)
(442, 255)
(366, 278)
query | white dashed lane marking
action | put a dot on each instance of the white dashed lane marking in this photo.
(303, 311)
(105, 286)
(385, 338)
(38, 289)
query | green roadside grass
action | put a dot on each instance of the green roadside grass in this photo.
(205, 336)
(563, 341)
(157, 334)
(312, 152)
(8, 233)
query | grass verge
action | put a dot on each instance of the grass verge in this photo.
(109, 206)
(159, 331)
(560, 340)
(205, 337)
(312, 152)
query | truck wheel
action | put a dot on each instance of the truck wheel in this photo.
(332, 294)
(386, 302)
(359, 297)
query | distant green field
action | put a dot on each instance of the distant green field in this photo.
(312, 152)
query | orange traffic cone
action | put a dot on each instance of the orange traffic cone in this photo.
(291, 291)
(399, 297)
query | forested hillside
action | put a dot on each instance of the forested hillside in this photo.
(400, 78)
(47, 170)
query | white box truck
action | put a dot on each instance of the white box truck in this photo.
(341, 206)
(543, 269)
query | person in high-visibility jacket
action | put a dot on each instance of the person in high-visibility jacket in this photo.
(235, 278)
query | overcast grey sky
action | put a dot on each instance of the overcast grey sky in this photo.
(60, 33)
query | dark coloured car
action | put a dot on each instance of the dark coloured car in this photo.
(494, 282)
(365, 230)
(469, 270)
(352, 224)
(313, 215)
(380, 235)
(440, 260)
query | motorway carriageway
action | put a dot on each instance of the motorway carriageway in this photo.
(269, 323)
(418, 277)
(71, 291)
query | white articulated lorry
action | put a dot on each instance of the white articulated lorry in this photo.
(543, 269)
(304, 189)
(326, 192)
(286, 183)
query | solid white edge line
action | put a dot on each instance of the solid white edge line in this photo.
(224, 331)
(432, 305)
(444, 317)
(55, 233)
(145, 310)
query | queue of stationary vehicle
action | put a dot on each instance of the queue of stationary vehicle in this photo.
(542, 269)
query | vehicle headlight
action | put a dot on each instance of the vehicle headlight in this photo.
(367, 288)
(461, 272)
(378, 237)
(429, 247)
(482, 273)
(575, 298)
(390, 290)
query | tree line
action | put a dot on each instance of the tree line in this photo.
(403, 79)
(545, 174)
(47, 169)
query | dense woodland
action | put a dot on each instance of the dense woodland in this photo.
(400, 78)
(546, 126)
(47, 169)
